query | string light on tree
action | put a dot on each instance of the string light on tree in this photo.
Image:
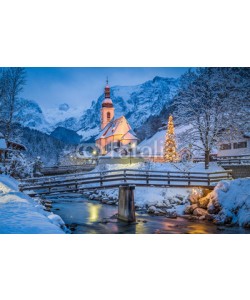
(170, 150)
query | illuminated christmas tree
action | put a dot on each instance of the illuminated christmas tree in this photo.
(170, 153)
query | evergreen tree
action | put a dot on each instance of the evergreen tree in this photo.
(170, 153)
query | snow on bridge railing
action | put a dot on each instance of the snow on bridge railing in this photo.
(139, 177)
(103, 173)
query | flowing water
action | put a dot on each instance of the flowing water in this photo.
(83, 216)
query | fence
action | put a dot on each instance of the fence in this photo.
(113, 178)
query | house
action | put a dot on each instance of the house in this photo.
(236, 147)
(115, 133)
(6, 148)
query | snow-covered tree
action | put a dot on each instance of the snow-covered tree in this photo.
(37, 166)
(210, 102)
(170, 149)
(19, 166)
(12, 81)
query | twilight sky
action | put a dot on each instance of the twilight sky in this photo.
(80, 86)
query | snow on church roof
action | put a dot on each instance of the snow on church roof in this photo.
(116, 127)
(130, 135)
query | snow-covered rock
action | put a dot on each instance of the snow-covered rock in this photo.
(228, 203)
(232, 199)
(190, 208)
(200, 212)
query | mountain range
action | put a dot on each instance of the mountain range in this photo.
(137, 103)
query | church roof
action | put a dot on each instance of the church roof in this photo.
(130, 135)
(115, 127)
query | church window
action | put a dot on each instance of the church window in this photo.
(108, 116)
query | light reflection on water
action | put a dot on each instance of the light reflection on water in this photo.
(93, 217)
(94, 211)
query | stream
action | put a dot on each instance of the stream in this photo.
(84, 216)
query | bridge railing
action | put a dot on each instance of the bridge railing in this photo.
(227, 160)
(113, 178)
(235, 161)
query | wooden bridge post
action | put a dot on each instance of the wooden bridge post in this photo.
(147, 178)
(101, 179)
(126, 205)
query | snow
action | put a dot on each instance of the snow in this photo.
(155, 144)
(125, 91)
(2, 143)
(165, 167)
(22, 214)
(86, 134)
(55, 115)
(213, 167)
(233, 198)
(169, 199)
(30, 114)
(160, 196)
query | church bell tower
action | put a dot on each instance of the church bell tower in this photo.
(107, 110)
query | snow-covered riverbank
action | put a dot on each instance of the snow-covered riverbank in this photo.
(158, 201)
(229, 202)
(22, 214)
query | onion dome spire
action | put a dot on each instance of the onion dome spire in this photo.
(107, 89)
(107, 102)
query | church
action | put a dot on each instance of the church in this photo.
(115, 133)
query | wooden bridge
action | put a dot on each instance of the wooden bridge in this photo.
(114, 178)
(125, 179)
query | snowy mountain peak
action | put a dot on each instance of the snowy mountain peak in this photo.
(137, 103)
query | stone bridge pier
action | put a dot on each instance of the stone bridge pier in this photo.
(126, 204)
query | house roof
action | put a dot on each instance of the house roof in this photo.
(15, 146)
(119, 126)
(10, 145)
(247, 135)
